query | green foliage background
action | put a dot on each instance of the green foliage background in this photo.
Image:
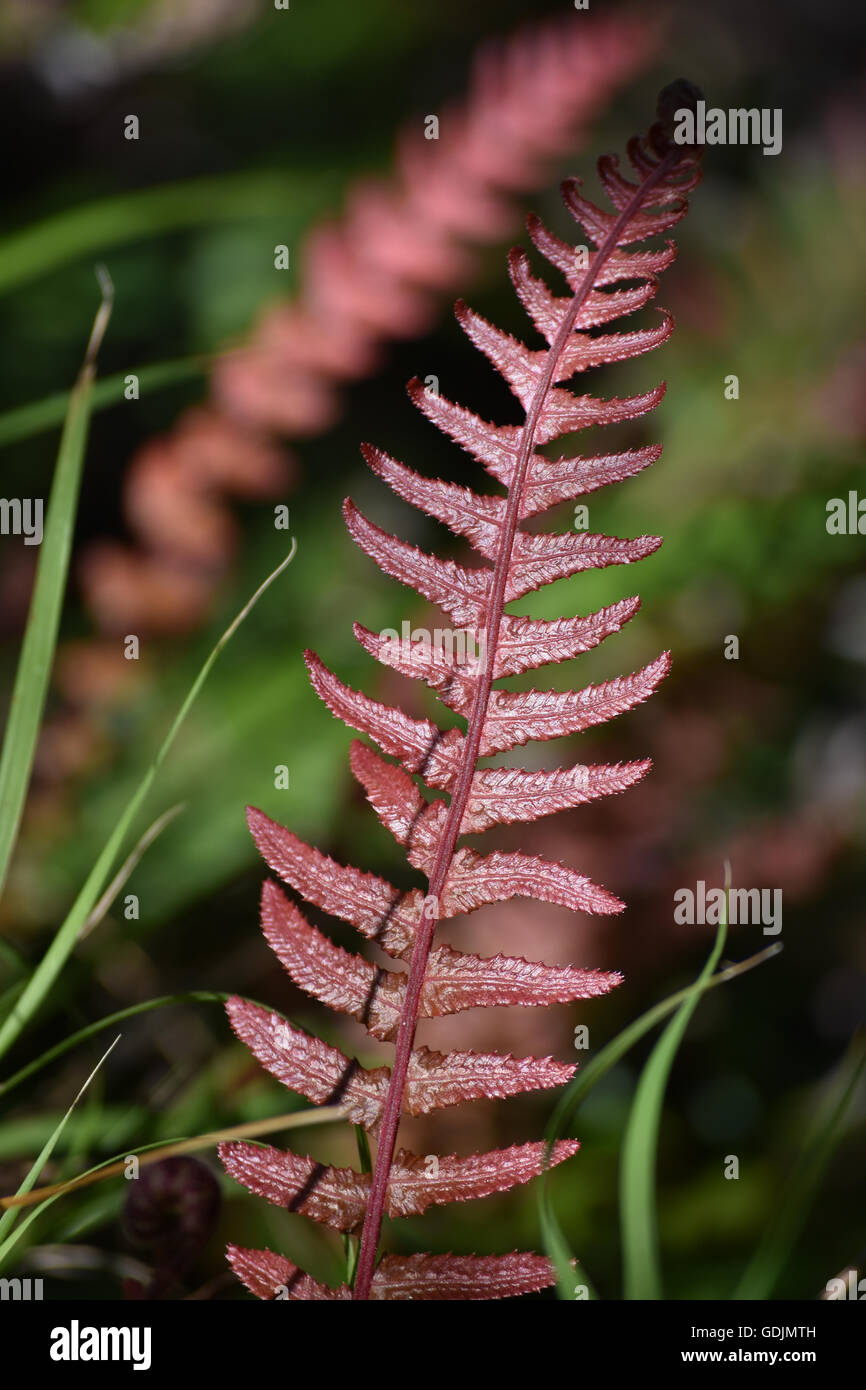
(259, 132)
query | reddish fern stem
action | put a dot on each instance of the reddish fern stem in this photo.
(445, 852)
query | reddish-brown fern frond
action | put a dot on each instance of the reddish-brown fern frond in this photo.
(514, 562)
(371, 276)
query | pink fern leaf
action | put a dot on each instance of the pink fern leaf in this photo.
(378, 910)
(502, 795)
(474, 880)
(336, 1197)
(449, 1277)
(454, 980)
(309, 1066)
(514, 562)
(522, 640)
(439, 1277)
(516, 717)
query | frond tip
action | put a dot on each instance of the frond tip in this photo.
(418, 758)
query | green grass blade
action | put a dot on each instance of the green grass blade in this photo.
(763, 1271)
(87, 231)
(302, 1119)
(128, 866)
(64, 941)
(638, 1217)
(40, 636)
(25, 421)
(576, 1091)
(7, 1220)
(352, 1244)
(146, 1006)
(589, 1076)
(557, 1251)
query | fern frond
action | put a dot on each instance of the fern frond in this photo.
(512, 563)
(372, 276)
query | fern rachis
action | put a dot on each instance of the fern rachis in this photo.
(517, 562)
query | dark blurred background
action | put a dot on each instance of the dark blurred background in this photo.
(255, 128)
